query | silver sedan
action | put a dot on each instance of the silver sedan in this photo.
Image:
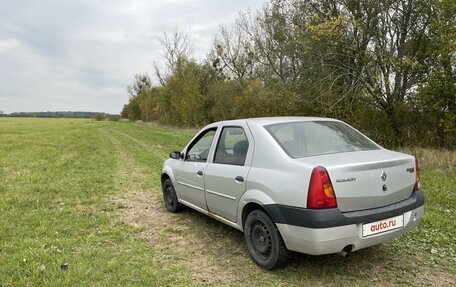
(311, 185)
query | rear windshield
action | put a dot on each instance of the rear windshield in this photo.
(310, 138)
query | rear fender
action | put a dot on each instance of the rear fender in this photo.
(252, 196)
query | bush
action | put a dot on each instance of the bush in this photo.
(114, 118)
(100, 117)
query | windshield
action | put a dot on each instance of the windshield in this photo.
(310, 138)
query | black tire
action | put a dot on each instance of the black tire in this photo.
(264, 242)
(170, 197)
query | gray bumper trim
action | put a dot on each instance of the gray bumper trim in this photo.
(332, 217)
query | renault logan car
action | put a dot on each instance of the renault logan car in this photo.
(311, 185)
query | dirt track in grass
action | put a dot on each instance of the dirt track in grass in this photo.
(167, 232)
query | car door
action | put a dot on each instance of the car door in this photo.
(189, 172)
(225, 179)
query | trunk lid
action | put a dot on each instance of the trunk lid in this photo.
(368, 179)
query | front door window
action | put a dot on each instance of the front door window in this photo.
(199, 149)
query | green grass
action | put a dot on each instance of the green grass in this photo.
(87, 194)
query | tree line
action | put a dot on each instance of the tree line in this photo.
(386, 67)
(59, 114)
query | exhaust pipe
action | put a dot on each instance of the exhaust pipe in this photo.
(346, 251)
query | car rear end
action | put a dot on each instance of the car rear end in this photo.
(359, 194)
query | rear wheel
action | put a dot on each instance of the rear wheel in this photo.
(266, 246)
(170, 197)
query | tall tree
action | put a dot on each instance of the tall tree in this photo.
(176, 45)
(140, 86)
(438, 92)
(232, 53)
(386, 43)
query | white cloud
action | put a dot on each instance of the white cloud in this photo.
(81, 55)
(7, 45)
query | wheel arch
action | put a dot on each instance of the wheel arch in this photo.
(166, 173)
(249, 207)
(251, 200)
(164, 176)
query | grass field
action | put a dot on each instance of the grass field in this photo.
(80, 205)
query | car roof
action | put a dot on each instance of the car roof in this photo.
(276, 120)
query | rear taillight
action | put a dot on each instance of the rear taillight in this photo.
(417, 176)
(321, 192)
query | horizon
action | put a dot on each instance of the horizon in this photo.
(69, 111)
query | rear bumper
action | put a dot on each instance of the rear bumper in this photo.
(328, 232)
(318, 241)
(332, 217)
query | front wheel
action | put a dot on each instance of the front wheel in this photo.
(170, 197)
(265, 245)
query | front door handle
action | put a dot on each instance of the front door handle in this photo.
(200, 173)
(239, 178)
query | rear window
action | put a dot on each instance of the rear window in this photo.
(311, 138)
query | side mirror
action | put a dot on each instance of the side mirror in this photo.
(175, 155)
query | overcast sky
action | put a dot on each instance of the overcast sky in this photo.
(80, 55)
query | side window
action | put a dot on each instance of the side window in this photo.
(232, 146)
(199, 149)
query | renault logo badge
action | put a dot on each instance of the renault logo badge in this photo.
(383, 176)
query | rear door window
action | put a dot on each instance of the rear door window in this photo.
(232, 146)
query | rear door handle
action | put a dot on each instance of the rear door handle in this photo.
(239, 178)
(200, 173)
